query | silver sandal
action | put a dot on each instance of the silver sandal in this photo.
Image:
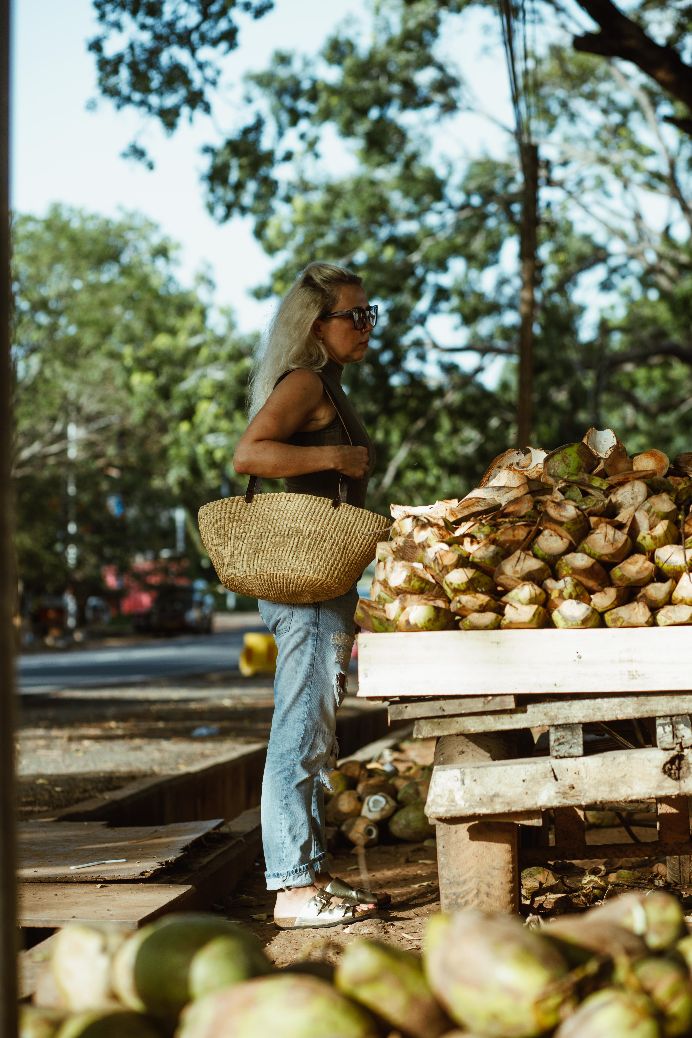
(321, 911)
(356, 895)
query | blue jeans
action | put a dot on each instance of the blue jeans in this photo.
(314, 643)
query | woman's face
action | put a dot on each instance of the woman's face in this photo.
(344, 343)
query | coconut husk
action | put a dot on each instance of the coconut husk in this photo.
(526, 593)
(467, 580)
(660, 506)
(566, 518)
(476, 602)
(511, 537)
(488, 556)
(550, 545)
(636, 571)
(568, 462)
(441, 558)
(652, 462)
(673, 560)
(606, 544)
(432, 616)
(610, 598)
(481, 622)
(523, 616)
(629, 495)
(344, 805)
(608, 448)
(377, 807)
(371, 616)
(361, 832)
(682, 592)
(583, 568)
(674, 615)
(572, 615)
(520, 567)
(657, 594)
(634, 614)
(407, 577)
(658, 536)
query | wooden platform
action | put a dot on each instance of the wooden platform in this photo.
(128, 905)
(480, 663)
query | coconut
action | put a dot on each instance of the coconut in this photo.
(181, 957)
(657, 594)
(656, 916)
(550, 545)
(344, 805)
(427, 617)
(663, 533)
(467, 580)
(652, 462)
(660, 506)
(610, 598)
(635, 571)
(606, 544)
(361, 832)
(390, 982)
(565, 518)
(573, 614)
(481, 622)
(682, 593)
(378, 806)
(371, 616)
(634, 614)
(612, 1013)
(410, 823)
(519, 568)
(414, 791)
(674, 615)
(464, 605)
(81, 960)
(292, 1005)
(527, 593)
(667, 983)
(673, 560)
(495, 976)
(583, 568)
(108, 1023)
(407, 577)
(566, 588)
(606, 446)
(523, 616)
(440, 559)
(569, 462)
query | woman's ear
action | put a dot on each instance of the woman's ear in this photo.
(318, 329)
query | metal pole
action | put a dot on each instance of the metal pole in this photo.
(8, 889)
(527, 301)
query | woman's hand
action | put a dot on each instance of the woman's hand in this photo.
(351, 461)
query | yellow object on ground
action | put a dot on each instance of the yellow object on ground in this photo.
(258, 655)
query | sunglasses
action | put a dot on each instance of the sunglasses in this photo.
(362, 316)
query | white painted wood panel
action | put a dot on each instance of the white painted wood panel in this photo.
(530, 784)
(457, 663)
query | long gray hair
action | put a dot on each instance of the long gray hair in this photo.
(290, 341)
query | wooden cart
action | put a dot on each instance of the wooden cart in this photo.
(481, 695)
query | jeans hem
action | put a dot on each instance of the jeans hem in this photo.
(300, 877)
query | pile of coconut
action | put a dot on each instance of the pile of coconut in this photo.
(619, 970)
(583, 536)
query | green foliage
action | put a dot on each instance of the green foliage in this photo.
(360, 154)
(107, 342)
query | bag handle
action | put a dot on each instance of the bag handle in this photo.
(342, 487)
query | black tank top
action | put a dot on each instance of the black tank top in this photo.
(326, 483)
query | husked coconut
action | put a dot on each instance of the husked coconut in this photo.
(572, 614)
(634, 614)
(524, 616)
(682, 594)
(520, 567)
(481, 622)
(606, 544)
(583, 568)
(672, 615)
(610, 598)
(635, 571)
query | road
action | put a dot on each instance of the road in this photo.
(159, 658)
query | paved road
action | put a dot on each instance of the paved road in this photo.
(161, 658)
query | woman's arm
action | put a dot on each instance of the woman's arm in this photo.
(262, 450)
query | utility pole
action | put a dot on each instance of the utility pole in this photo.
(8, 887)
(527, 298)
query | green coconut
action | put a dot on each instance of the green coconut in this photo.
(569, 462)
(108, 1023)
(674, 616)
(663, 533)
(464, 605)
(467, 580)
(407, 577)
(526, 593)
(481, 622)
(612, 1013)
(410, 823)
(673, 560)
(519, 617)
(575, 615)
(657, 916)
(390, 982)
(634, 571)
(427, 617)
(285, 1005)
(495, 976)
(371, 616)
(181, 957)
(667, 983)
(682, 592)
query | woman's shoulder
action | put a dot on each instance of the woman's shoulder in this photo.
(302, 380)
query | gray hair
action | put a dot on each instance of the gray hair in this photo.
(290, 341)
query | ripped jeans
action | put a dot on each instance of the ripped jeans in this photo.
(314, 643)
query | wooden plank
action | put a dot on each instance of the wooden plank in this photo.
(621, 851)
(581, 709)
(445, 707)
(528, 784)
(216, 872)
(570, 834)
(130, 905)
(566, 740)
(673, 815)
(48, 850)
(674, 733)
(457, 663)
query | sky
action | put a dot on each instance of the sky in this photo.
(61, 152)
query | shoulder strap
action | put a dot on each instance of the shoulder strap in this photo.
(342, 487)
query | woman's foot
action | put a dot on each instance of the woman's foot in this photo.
(299, 907)
(355, 895)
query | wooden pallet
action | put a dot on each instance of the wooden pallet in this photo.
(496, 808)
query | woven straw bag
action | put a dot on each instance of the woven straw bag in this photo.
(290, 548)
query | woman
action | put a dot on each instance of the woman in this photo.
(297, 433)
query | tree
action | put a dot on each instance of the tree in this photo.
(129, 393)
(436, 231)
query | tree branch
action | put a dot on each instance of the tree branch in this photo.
(620, 37)
(664, 349)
